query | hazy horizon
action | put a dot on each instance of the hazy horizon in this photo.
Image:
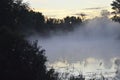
(60, 9)
(97, 39)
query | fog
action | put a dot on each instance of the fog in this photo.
(97, 38)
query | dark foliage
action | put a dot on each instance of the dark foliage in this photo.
(116, 7)
(79, 77)
(52, 75)
(20, 60)
(24, 20)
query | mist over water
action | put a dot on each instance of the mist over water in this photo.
(97, 38)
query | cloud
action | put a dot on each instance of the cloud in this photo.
(94, 8)
(80, 14)
(43, 1)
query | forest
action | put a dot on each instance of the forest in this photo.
(21, 59)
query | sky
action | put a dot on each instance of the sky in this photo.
(63, 8)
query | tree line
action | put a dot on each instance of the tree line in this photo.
(25, 20)
(19, 58)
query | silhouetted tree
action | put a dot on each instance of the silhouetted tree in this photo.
(19, 59)
(5, 9)
(79, 77)
(72, 20)
(52, 75)
(116, 7)
(83, 15)
(12, 12)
